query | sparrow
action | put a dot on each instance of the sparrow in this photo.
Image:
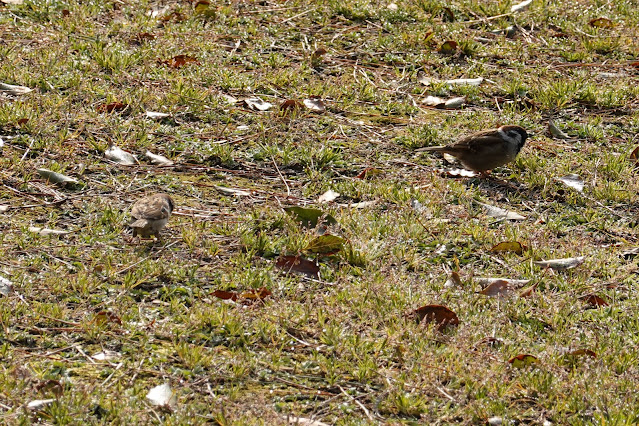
(151, 214)
(485, 150)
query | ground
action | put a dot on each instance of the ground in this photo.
(93, 319)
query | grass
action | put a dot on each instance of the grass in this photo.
(338, 349)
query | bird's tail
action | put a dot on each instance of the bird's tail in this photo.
(432, 149)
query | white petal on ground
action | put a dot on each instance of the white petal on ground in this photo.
(328, 196)
(156, 115)
(107, 356)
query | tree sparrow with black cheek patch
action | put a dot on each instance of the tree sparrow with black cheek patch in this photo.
(485, 150)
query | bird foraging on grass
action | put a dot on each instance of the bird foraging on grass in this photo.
(151, 214)
(485, 150)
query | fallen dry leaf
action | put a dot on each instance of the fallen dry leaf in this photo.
(509, 246)
(523, 360)
(46, 231)
(257, 104)
(440, 315)
(594, 301)
(6, 286)
(314, 103)
(156, 115)
(246, 297)
(368, 172)
(448, 47)
(325, 245)
(179, 61)
(232, 191)
(112, 107)
(556, 131)
(59, 178)
(453, 280)
(520, 7)
(120, 156)
(328, 196)
(601, 23)
(158, 159)
(298, 265)
(498, 288)
(162, 396)
(572, 181)
(10, 89)
(561, 264)
(499, 213)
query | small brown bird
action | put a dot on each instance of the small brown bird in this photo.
(151, 215)
(485, 150)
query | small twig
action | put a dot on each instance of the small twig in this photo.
(359, 404)
(288, 189)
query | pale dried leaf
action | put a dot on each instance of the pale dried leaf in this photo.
(314, 104)
(303, 421)
(469, 81)
(360, 205)
(10, 89)
(556, 131)
(6, 286)
(156, 115)
(158, 159)
(433, 101)
(328, 196)
(455, 103)
(55, 177)
(158, 10)
(572, 181)
(3, 208)
(520, 7)
(12, 1)
(118, 155)
(46, 231)
(39, 404)
(163, 396)
(257, 104)
(425, 80)
(229, 99)
(486, 281)
(232, 191)
(499, 213)
(107, 356)
(561, 264)
(453, 281)
(498, 288)
(392, 6)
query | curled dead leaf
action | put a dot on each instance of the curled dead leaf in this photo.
(523, 360)
(453, 280)
(245, 297)
(498, 288)
(257, 104)
(448, 47)
(594, 301)
(439, 315)
(572, 181)
(601, 23)
(112, 107)
(509, 246)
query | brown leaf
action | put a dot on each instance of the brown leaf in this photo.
(317, 54)
(594, 301)
(289, 106)
(497, 288)
(179, 61)
(601, 23)
(315, 103)
(368, 172)
(448, 47)
(299, 265)
(529, 291)
(112, 107)
(104, 317)
(22, 121)
(246, 297)
(582, 352)
(634, 156)
(453, 280)
(522, 360)
(201, 6)
(440, 315)
(505, 246)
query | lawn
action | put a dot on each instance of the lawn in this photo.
(317, 269)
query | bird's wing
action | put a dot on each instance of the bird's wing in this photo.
(486, 144)
(154, 208)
